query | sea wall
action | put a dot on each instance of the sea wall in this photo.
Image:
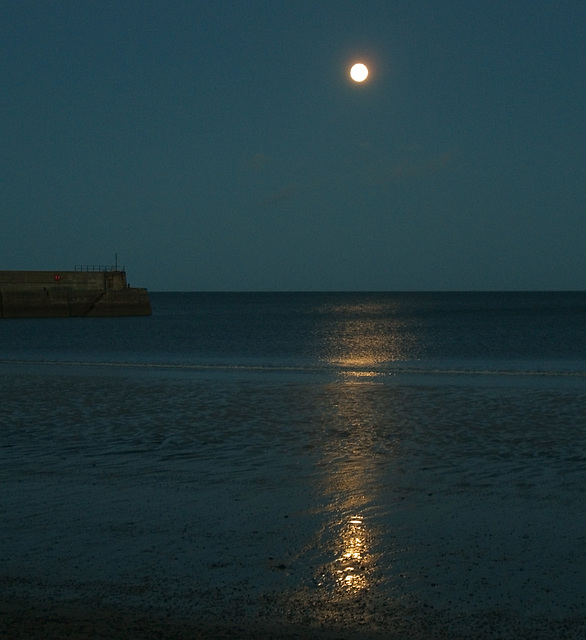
(49, 294)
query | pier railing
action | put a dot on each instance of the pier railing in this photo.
(98, 267)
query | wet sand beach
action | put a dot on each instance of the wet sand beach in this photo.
(157, 507)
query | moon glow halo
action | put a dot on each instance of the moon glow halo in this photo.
(359, 72)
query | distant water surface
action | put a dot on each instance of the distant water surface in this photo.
(407, 463)
(337, 333)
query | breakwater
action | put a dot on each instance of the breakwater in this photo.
(50, 294)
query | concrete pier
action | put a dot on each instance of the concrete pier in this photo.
(51, 294)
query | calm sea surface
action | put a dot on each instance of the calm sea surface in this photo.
(385, 463)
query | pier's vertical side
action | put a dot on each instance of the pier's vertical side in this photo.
(93, 291)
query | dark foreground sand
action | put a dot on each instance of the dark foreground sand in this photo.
(24, 620)
(21, 620)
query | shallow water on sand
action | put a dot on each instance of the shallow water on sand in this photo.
(355, 504)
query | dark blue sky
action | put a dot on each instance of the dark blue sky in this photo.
(221, 146)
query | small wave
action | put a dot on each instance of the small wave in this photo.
(493, 372)
(321, 368)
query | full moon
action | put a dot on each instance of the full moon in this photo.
(359, 72)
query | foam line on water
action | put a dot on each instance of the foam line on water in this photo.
(323, 368)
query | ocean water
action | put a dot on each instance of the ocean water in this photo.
(402, 463)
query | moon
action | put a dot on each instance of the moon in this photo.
(359, 72)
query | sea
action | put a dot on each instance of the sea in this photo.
(401, 464)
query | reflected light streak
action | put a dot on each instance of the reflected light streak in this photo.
(349, 573)
(360, 374)
(369, 336)
(353, 553)
(352, 465)
(361, 339)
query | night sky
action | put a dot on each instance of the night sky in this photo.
(222, 145)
